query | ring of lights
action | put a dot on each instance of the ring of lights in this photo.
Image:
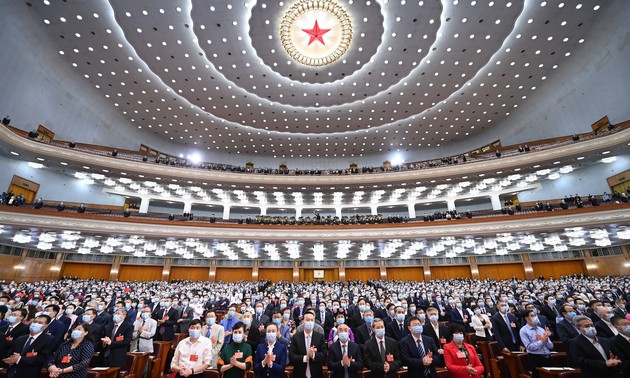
(303, 8)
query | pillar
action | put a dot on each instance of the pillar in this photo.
(226, 211)
(113, 273)
(527, 266)
(342, 271)
(298, 212)
(374, 209)
(496, 202)
(427, 269)
(144, 205)
(450, 203)
(383, 269)
(296, 271)
(411, 207)
(263, 210)
(338, 211)
(166, 270)
(187, 207)
(212, 272)
(255, 268)
(474, 269)
(592, 268)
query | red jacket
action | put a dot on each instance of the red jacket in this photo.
(457, 365)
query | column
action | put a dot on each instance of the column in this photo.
(527, 266)
(212, 273)
(166, 270)
(298, 212)
(263, 210)
(411, 207)
(342, 271)
(144, 205)
(496, 202)
(374, 209)
(187, 207)
(450, 203)
(338, 211)
(591, 263)
(383, 269)
(474, 269)
(296, 271)
(255, 268)
(113, 273)
(427, 269)
(226, 211)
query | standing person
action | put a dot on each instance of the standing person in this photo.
(506, 331)
(166, 318)
(116, 342)
(143, 331)
(382, 355)
(236, 357)
(419, 352)
(193, 354)
(14, 329)
(228, 322)
(344, 356)
(592, 354)
(73, 358)
(461, 358)
(537, 342)
(270, 359)
(482, 325)
(621, 343)
(215, 333)
(30, 352)
(307, 352)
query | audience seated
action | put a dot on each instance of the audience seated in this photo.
(265, 326)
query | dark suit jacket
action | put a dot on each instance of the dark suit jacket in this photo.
(603, 330)
(549, 313)
(6, 340)
(277, 369)
(329, 321)
(335, 356)
(621, 349)
(113, 355)
(411, 356)
(132, 315)
(31, 365)
(297, 351)
(296, 315)
(374, 361)
(103, 319)
(583, 354)
(57, 329)
(393, 330)
(566, 331)
(456, 317)
(264, 320)
(254, 337)
(361, 336)
(502, 332)
(166, 331)
(186, 314)
(428, 330)
(355, 320)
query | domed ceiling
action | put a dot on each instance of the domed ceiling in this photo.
(297, 78)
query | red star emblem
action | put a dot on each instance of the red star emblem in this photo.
(316, 33)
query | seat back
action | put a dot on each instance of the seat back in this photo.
(129, 365)
(559, 346)
(486, 353)
(160, 350)
(512, 360)
(142, 359)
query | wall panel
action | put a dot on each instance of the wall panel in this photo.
(558, 268)
(363, 274)
(406, 273)
(189, 273)
(501, 271)
(329, 274)
(450, 271)
(233, 274)
(86, 270)
(275, 275)
(139, 273)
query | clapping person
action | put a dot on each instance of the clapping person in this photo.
(73, 357)
(461, 358)
(193, 354)
(270, 359)
(143, 331)
(344, 356)
(236, 357)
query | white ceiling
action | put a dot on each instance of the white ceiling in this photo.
(418, 74)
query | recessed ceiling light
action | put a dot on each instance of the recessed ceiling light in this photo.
(605, 152)
(40, 159)
(580, 158)
(14, 153)
(63, 163)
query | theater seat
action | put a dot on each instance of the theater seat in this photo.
(212, 373)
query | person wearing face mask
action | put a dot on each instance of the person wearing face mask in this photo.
(397, 328)
(459, 315)
(73, 358)
(382, 353)
(103, 318)
(537, 342)
(236, 357)
(364, 331)
(344, 356)
(307, 351)
(260, 320)
(436, 331)
(215, 333)
(316, 328)
(228, 321)
(592, 354)
(186, 314)
(166, 317)
(193, 354)
(57, 327)
(482, 325)
(96, 330)
(252, 335)
(271, 356)
(324, 317)
(12, 330)
(144, 329)
(604, 327)
(118, 336)
(565, 328)
(298, 311)
(30, 352)
(621, 343)
(506, 330)
(461, 358)
(419, 353)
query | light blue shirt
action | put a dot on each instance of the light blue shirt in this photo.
(532, 343)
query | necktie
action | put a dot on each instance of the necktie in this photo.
(8, 330)
(383, 354)
(507, 321)
(427, 371)
(345, 368)
(208, 333)
(114, 331)
(600, 349)
(401, 329)
(27, 345)
(308, 366)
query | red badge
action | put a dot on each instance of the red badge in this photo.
(9, 338)
(442, 341)
(390, 358)
(194, 358)
(461, 355)
(512, 325)
(120, 338)
(165, 318)
(31, 354)
(538, 337)
(184, 315)
(66, 359)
